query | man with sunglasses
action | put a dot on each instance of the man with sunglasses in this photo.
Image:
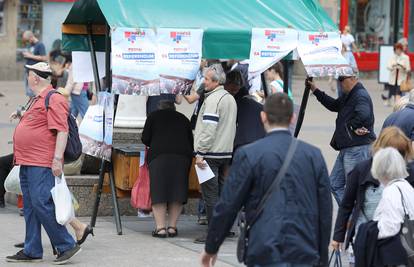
(354, 131)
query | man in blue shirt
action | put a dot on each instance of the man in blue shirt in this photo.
(35, 54)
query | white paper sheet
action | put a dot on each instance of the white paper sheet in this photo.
(204, 174)
(82, 66)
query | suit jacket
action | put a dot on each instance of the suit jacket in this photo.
(295, 224)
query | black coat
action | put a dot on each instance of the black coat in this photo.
(403, 119)
(354, 197)
(295, 224)
(373, 252)
(249, 125)
(355, 110)
(167, 132)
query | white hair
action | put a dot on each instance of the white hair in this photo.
(388, 164)
(218, 73)
(48, 79)
(27, 35)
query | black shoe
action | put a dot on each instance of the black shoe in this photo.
(156, 233)
(19, 245)
(384, 97)
(88, 231)
(67, 255)
(201, 240)
(172, 231)
(2, 204)
(231, 234)
(21, 257)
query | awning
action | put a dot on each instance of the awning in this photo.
(227, 24)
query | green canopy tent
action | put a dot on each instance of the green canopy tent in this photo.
(227, 26)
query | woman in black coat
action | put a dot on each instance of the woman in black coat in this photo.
(169, 137)
(363, 192)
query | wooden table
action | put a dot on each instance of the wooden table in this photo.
(126, 160)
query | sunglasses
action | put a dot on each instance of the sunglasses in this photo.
(343, 78)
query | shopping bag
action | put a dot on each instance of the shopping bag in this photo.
(12, 182)
(95, 141)
(335, 259)
(140, 194)
(406, 86)
(62, 198)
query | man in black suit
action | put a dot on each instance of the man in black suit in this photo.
(295, 225)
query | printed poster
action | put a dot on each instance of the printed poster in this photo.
(179, 60)
(91, 134)
(321, 54)
(134, 62)
(268, 46)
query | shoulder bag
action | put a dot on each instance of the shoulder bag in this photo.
(407, 233)
(244, 227)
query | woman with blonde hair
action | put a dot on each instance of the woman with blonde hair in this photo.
(363, 192)
(379, 242)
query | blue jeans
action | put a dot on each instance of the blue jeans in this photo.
(79, 104)
(344, 164)
(39, 210)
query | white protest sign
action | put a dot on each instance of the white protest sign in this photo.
(94, 143)
(321, 54)
(134, 62)
(268, 46)
(82, 66)
(179, 58)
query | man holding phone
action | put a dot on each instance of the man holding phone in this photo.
(354, 131)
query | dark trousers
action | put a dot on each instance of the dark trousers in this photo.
(6, 164)
(39, 210)
(211, 189)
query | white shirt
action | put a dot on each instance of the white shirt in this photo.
(276, 86)
(390, 213)
(347, 40)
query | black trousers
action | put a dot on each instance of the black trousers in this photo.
(211, 189)
(6, 164)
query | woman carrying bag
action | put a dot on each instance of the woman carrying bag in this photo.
(363, 192)
(382, 238)
(169, 136)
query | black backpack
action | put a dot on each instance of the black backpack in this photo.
(73, 148)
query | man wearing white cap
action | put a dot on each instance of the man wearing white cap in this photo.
(39, 143)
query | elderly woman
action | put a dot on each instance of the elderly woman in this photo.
(363, 192)
(378, 243)
(169, 137)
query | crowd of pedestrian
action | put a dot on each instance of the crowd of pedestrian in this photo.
(277, 186)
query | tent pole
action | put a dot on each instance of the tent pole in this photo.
(108, 84)
(302, 110)
(264, 84)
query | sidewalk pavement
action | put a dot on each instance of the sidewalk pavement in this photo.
(136, 247)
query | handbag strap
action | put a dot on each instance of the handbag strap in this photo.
(402, 201)
(276, 182)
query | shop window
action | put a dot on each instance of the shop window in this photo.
(30, 18)
(376, 22)
(2, 17)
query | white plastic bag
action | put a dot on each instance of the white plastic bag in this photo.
(63, 201)
(12, 182)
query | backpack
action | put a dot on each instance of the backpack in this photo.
(73, 148)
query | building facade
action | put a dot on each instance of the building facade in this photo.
(42, 17)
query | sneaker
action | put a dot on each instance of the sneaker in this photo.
(21, 257)
(202, 220)
(201, 239)
(143, 214)
(21, 212)
(67, 255)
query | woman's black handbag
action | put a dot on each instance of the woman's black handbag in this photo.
(338, 261)
(244, 227)
(407, 234)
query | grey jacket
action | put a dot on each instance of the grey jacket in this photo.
(216, 125)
